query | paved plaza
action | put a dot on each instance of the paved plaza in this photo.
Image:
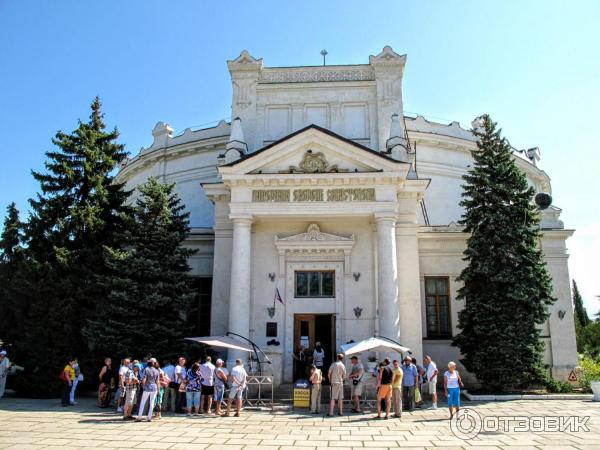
(32, 424)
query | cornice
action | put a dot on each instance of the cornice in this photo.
(144, 160)
(315, 179)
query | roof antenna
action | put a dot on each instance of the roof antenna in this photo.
(324, 54)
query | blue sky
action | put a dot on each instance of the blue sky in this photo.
(534, 66)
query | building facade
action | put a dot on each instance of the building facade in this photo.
(322, 190)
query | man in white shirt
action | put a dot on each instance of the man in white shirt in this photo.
(122, 371)
(169, 397)
(207, 375)
(180, 377)
(4, 366)
(336, 375)
(432, 373)
(238, 385)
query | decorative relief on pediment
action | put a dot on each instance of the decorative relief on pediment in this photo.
(313, 163)
(314, 233)
(316, 75)
(315, 244)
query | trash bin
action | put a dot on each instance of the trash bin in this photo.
(302, 394)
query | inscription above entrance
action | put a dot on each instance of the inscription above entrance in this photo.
(314, 195)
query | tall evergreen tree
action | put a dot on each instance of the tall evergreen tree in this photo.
(78, 212)
(507, 289)
(11, 265)
(149, 283)
(580, 312)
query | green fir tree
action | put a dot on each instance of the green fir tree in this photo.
(11, 270)
(581, 315)
(149, 284)
(507, 289)
(79, 212)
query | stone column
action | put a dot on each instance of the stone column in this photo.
(239, 292)
(409, 288)
(387, 277)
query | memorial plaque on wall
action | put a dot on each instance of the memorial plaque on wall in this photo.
(271, 329)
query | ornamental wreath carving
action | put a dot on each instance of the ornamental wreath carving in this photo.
(313, 163)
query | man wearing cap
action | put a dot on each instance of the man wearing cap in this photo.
(409, 381)
(4, 366)
(356, 376)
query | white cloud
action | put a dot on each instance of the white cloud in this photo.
(584, 248)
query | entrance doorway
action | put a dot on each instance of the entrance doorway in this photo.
(308, 330)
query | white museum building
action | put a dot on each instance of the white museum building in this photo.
(322, 189)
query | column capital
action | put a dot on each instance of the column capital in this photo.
(385, 216)
(241, 219)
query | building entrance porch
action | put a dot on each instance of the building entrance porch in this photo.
(308, 330)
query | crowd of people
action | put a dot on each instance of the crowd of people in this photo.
(152, 389)
(399, 386)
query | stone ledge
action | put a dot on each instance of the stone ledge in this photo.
(507, 397)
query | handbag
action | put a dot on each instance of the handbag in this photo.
(64, 377)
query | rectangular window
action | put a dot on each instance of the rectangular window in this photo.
(437, 307)
(315, 284)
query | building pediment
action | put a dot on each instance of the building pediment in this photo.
(314, 241)
(313, 150)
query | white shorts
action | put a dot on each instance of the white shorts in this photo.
(236, 391)
(431, 387)
(337, 391)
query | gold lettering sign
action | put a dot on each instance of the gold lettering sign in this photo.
(271, 195)
(314, 195)
(351, 195)
(308, 195)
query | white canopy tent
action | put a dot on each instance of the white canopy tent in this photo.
(374, 344)
(223, 342)
(256, 382)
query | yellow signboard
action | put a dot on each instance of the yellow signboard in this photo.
(301, 398)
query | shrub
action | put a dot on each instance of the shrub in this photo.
(588, 371)
(558, 387)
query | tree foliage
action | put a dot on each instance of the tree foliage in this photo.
(507, 289)
(11, 270)
(77, 213)
(580, 313)
(148, 283)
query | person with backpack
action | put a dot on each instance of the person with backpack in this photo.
(76, 380)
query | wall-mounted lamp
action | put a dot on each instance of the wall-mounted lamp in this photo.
(271, 311)
(357, 311)
(272, 276)
(561, 314)
(356, 276)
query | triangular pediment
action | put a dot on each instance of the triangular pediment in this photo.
(313, 150)
(314, 233)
